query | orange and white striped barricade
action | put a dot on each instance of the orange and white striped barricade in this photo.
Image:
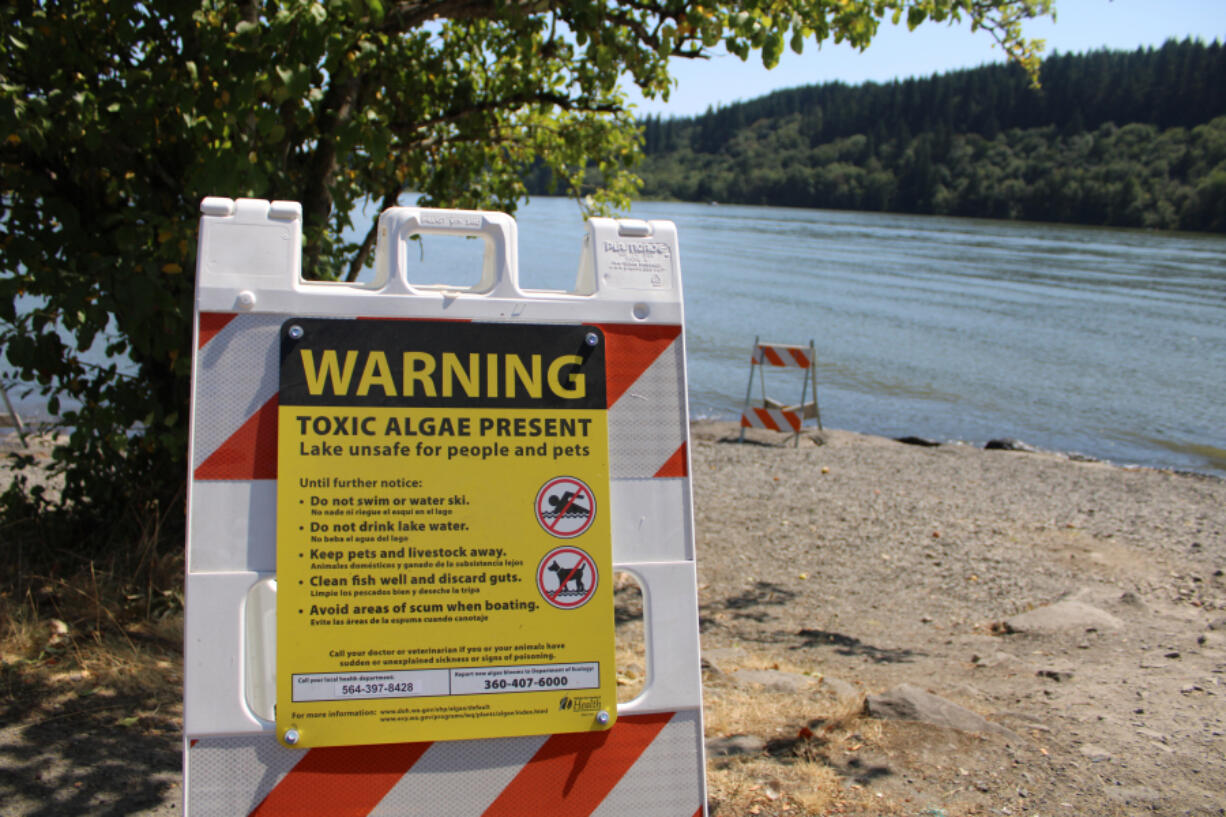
(390, 610)
(772, 414)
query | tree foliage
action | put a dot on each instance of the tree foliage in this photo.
(117, 117)
(1131, 139)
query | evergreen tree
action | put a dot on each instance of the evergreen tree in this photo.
(1111, 137)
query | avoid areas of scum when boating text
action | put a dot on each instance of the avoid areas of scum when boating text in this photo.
(420, 574)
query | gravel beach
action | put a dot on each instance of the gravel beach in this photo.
(1078, 606)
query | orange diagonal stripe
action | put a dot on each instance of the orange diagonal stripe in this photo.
(766, 419)
(772, 356)
(210, 324)
(571, 774)
(631, 351)
(340, 781)
(676, 465)
(250, 452)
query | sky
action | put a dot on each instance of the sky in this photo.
(896, 53)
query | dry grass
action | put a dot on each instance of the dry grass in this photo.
(732, 709)
(764, 786)
(807, 733)
(743, 710)
(69, 648)
(631, 651)
(631, 669)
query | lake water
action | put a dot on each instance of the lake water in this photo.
(1110, 343)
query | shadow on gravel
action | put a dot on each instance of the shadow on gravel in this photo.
(847, 645)
(748, 441)
(748, 604)
(862, 773)
(760, 595)
(67, 753)
(813, 746)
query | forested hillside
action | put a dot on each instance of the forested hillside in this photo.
(1118, 138)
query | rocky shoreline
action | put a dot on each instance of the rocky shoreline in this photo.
(1076, 608)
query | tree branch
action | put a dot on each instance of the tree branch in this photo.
(339, 103)
(368, 243)
(562, 101)
(413, 14)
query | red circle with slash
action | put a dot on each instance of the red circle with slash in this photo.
(565, 507)
(567, 577)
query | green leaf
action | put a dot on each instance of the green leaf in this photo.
(798, 41)
(772, 49)
(665, 46)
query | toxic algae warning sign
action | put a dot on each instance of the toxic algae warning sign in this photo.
(443, 545)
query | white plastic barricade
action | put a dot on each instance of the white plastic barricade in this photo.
(405, 506)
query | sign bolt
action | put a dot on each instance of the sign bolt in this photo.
(602, 717)
(591, 339)
(295, 332)
(291, 736)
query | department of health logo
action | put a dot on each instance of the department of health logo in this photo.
(582, 704)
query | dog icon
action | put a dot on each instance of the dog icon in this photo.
(567, 575)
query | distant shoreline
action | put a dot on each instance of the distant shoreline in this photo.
(810, 434)
(725, 429)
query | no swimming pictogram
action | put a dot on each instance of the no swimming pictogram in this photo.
(567, 577)
(565, 507)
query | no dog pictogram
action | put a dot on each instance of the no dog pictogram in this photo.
(567, 577)
(565, 507)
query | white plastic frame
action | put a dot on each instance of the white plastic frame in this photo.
(249, 250)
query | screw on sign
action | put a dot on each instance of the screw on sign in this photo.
(565, 507)
(567, 577)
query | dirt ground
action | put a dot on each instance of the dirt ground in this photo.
(1078, 608)
(873, 564)
(100, 738)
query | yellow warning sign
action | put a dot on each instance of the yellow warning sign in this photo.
(443, 549)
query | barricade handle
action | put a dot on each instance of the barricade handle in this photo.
(674, 658)
(634, 257)
(500, 267)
